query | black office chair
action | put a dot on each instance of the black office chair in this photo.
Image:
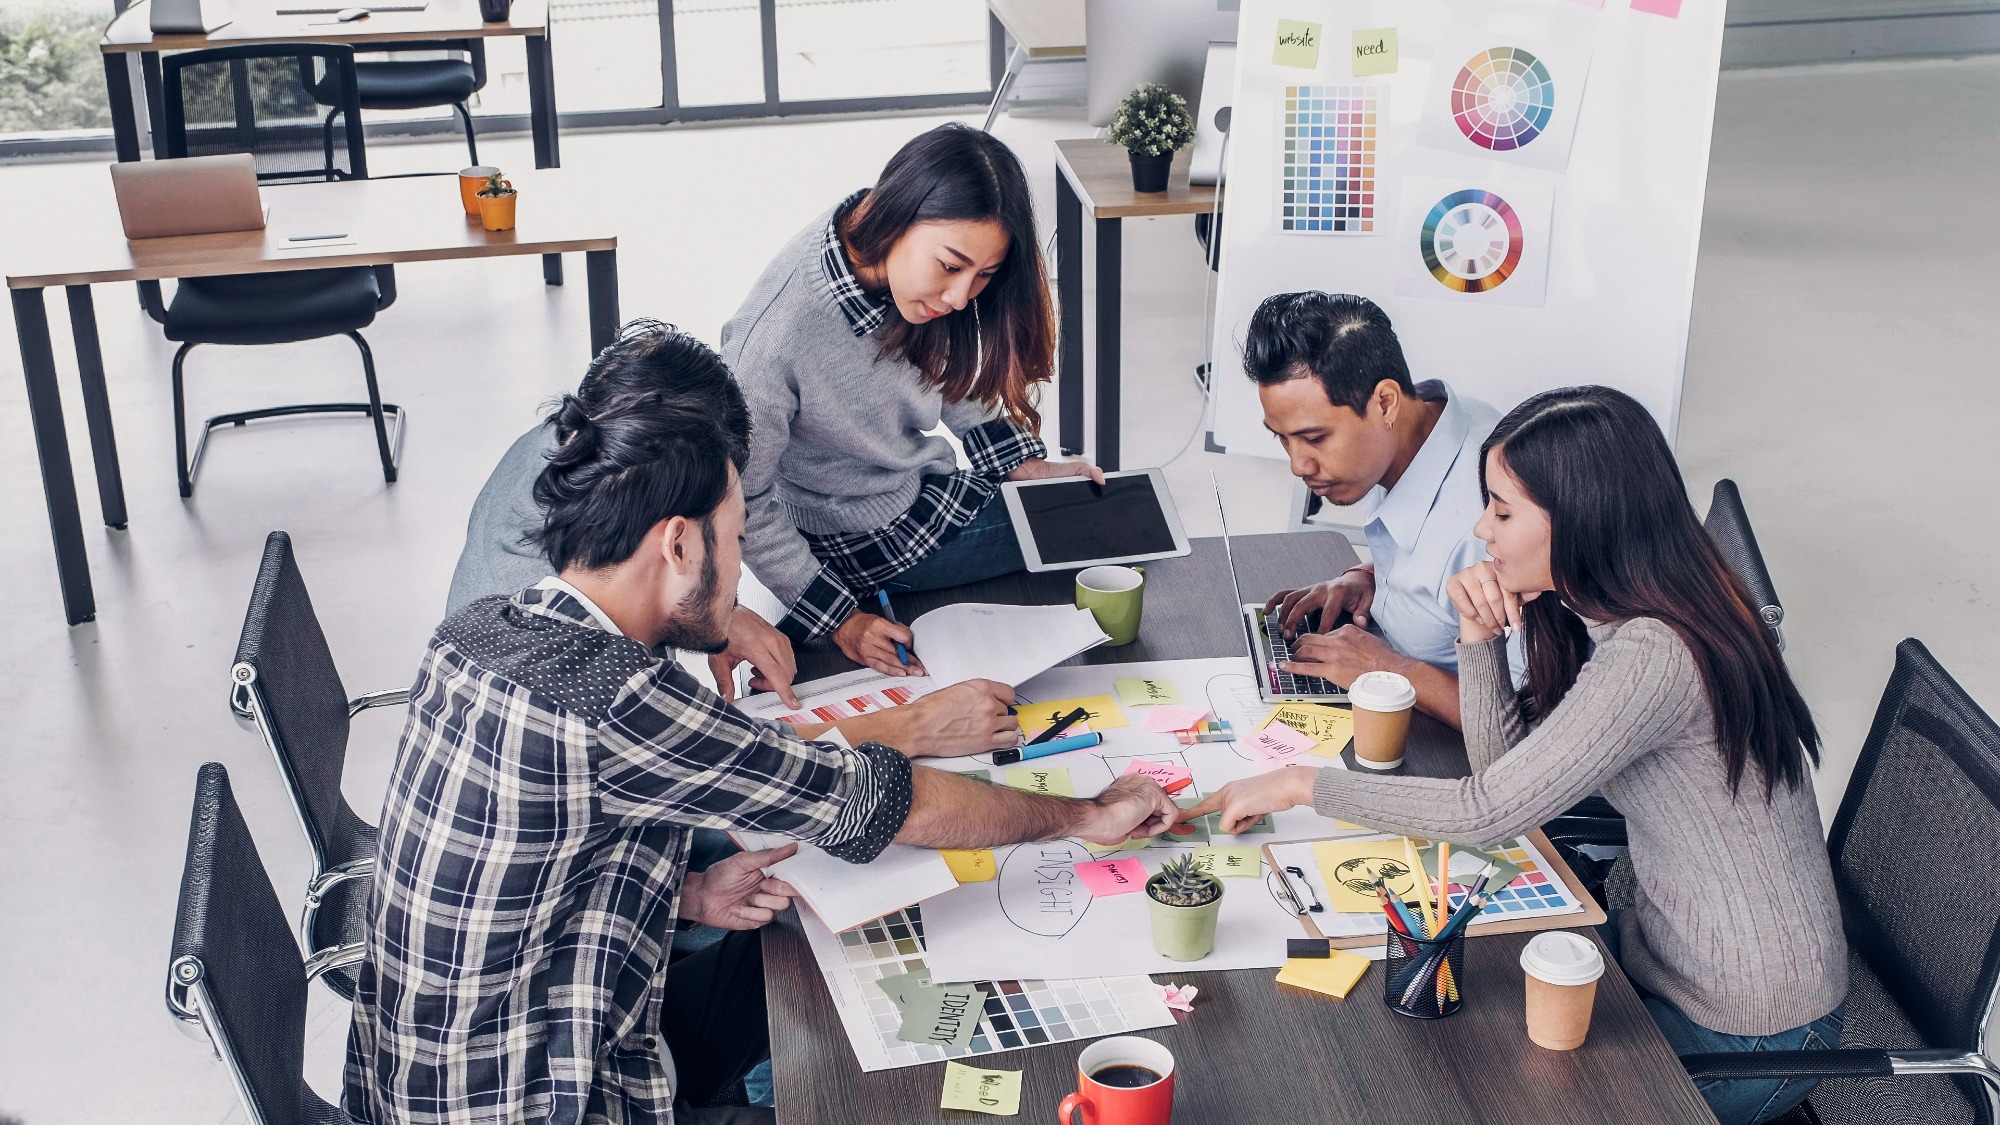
(416, 83)
(259, 99)
(1923, 946)
(1729, 525)
(235, 971)
(284, 686)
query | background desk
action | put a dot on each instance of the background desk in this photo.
(1250, 1052)
(418, 219)
(257, 21)
(1097, 176)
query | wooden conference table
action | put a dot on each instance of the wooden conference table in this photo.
(258, 21)
(1095, 177)
(1251, 1051)
(418, 219)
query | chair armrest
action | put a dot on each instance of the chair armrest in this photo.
(386, 698)
(1574, 830)
(1857, 1062)
(334, 957)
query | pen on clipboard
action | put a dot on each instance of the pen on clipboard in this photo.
(902, 653)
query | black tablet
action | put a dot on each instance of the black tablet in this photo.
(1070, 522)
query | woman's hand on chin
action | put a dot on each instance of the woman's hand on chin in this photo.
(1041, 468)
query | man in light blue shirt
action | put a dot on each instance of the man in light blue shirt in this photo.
(1337, 392)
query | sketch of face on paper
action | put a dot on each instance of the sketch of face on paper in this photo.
(1359, 874)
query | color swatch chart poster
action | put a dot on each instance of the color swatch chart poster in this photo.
(1018, 1013)
(1328, 178)
(834, 698)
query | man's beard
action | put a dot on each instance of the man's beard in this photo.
(693, 626)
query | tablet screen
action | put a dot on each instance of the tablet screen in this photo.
(1071, 523)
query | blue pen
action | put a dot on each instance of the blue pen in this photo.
(902, 654)
(1043, 750)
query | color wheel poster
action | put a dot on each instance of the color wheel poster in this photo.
(1464, 239)
(1509, 98)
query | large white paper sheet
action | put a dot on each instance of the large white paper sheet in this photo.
(1007, 643)
(843, 894)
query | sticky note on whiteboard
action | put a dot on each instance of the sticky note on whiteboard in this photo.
(1668, 8)
(1375, 52)
(1297, 45)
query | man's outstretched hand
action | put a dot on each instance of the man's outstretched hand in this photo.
(735, 894)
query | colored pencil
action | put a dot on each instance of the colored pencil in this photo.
(1423, 887)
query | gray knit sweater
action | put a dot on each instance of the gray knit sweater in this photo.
(1735, 921)
(837, 429)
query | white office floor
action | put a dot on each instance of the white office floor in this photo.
(1840, 369)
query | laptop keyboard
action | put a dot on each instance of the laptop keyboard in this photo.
(1288, 683)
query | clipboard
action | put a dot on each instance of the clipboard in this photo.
(1592, 914)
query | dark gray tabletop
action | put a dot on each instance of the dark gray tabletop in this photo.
(1251, 1051)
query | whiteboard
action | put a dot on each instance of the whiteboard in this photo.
(1603, 293)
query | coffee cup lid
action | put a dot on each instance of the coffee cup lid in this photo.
(1381, 691)
(1560, 958)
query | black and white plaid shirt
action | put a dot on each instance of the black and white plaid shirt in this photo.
(530, 859)
(859, 562)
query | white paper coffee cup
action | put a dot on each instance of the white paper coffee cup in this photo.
(1381, 703)
(1562, 972)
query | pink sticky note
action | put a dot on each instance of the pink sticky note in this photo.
(1179, 997)
(1668, 8)
(1112, 876)
(1161, 772)
(1166, 719)
(1278, 743)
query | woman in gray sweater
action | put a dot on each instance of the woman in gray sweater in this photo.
(918, 303)
(1650, 679)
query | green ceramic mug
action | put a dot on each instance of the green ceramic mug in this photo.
(1115, 596)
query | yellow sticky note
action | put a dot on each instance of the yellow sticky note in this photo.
(1230, 862)
(1298, 44)
(974, 866)
(1349, 868)
(1145, 693)
(1103, 713)
(1375, 52)
(1331, 727)
(1335, 975)
(1053, 780)
(997, 1092)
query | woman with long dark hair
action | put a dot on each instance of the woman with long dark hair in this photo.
(921, 301)
(1651, 679)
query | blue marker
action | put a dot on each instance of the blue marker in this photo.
(902, 654)
(1043, 750)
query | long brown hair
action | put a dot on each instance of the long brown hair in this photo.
(1624, 543)
(1007, 343)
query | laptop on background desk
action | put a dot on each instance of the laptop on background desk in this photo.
(192, 195)
(1269, 649)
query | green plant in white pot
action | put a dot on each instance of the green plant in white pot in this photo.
(1184, 901)
(1152, 124)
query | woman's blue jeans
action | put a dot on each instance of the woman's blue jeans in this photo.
(984, 548)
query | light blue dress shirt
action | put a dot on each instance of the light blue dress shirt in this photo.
(1420, 532)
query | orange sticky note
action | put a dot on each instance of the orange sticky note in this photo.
(1333, 976)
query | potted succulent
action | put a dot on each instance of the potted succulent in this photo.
(1184, 901)
(496, 203)
(1152, 124)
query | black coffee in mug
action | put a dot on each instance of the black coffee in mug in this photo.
(1125, 1076)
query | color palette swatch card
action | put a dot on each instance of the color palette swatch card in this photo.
(1328, 173)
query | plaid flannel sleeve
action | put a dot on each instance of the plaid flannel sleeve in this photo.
(996, 448)
(819, 609)
(671, 751)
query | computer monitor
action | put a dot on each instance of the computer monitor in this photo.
(1137, 41)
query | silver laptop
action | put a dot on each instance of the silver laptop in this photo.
(1268, 647)
(195, 195)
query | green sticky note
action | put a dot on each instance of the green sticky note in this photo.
(1231, 862)
(1298, 44)
(1145, 693)
(945, 1015)
(1053, 780)
(997, 1092)
(898, 988)
(1375, 52)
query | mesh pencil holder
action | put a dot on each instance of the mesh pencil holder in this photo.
(1411, 976)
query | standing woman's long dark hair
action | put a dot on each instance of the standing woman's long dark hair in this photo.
(1624, 543)
(1007, 342)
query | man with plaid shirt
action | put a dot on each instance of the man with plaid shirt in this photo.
(531, 864)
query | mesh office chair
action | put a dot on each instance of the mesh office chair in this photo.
(235, 970)
(416, 83)
(1923, 952)
(259, 99)
(284, 685)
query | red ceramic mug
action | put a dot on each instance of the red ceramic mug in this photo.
(1124, 1080)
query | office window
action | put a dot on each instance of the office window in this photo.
(51, 76)
(718, 52)
(831, 49)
